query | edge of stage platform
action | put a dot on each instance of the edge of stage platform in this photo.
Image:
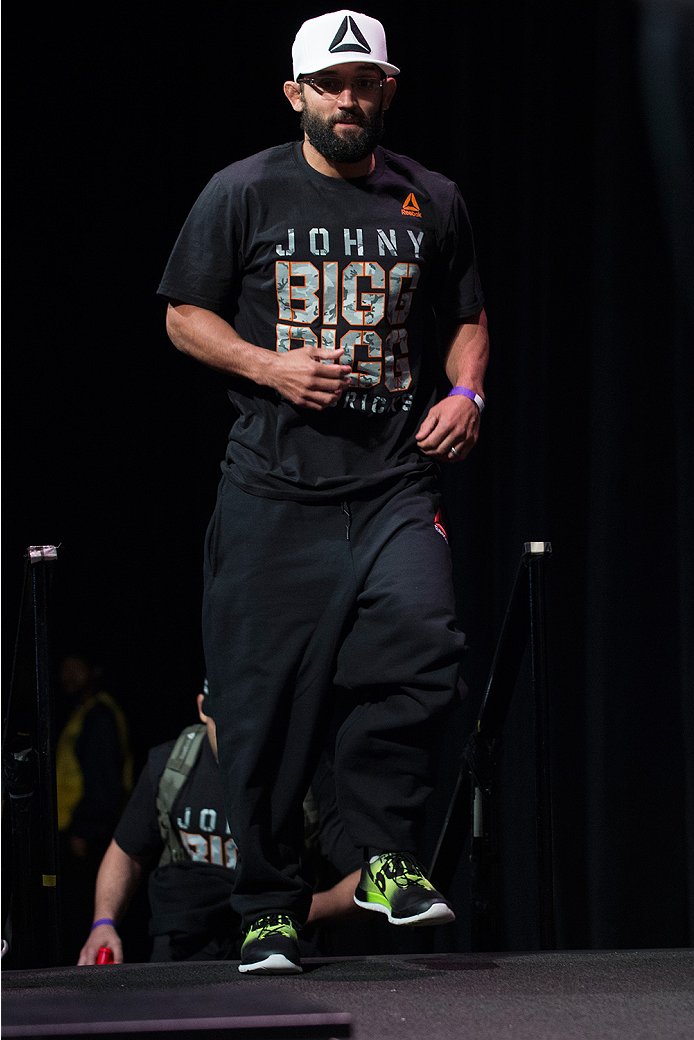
(86, 1002)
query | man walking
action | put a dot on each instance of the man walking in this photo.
(334, 282)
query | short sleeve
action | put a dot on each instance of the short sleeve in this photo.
(460, 293)
(203, 265)
(137, 833)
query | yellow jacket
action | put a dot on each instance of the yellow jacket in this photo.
(69, 778)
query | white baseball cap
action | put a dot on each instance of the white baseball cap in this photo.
(337, 38)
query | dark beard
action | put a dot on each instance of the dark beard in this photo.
(351, 149)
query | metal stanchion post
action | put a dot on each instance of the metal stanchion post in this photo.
(29, 775)
(41, 559)
(524, 619)
(537, 555)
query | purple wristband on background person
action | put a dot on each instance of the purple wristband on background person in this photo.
(102, 920)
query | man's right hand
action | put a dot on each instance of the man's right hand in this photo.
(304, 378)
(103, 935)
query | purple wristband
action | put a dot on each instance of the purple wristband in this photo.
(102, 920)
(465, 391)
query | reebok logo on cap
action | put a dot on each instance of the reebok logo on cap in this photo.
(349, 38)
(338, 38)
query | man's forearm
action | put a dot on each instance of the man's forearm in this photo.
(116, 883)
(210, 339)
(299, 375)
(451, 427)
(468, 355)
(118, 878)
(337, 901)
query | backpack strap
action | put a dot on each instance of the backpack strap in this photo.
(183, 757)
(311, 821)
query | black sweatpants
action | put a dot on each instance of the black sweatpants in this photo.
(306, 606)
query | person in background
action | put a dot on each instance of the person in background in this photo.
(94, 777)
(175, 823)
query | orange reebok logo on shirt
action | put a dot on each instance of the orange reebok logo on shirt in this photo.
(411, 207)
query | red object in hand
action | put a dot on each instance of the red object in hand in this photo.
(105, 955)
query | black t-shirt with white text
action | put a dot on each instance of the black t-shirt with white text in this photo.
(197, 812)
(373, 265)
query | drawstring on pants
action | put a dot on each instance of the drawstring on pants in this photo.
(348, 518)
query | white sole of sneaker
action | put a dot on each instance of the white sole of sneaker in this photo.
(275, 964)
(438, 913)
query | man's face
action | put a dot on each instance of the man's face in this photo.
(345, 128)
(77, 675)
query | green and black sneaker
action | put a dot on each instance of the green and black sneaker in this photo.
(271, 947)
(394, 884)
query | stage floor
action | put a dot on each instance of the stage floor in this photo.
(587, 995)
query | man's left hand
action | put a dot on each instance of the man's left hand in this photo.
(450, 430)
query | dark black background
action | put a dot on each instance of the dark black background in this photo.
(569, 129)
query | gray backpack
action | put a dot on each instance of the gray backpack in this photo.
(183, 757)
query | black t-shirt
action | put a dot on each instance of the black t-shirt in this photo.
(192, 897)
(291, 257)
